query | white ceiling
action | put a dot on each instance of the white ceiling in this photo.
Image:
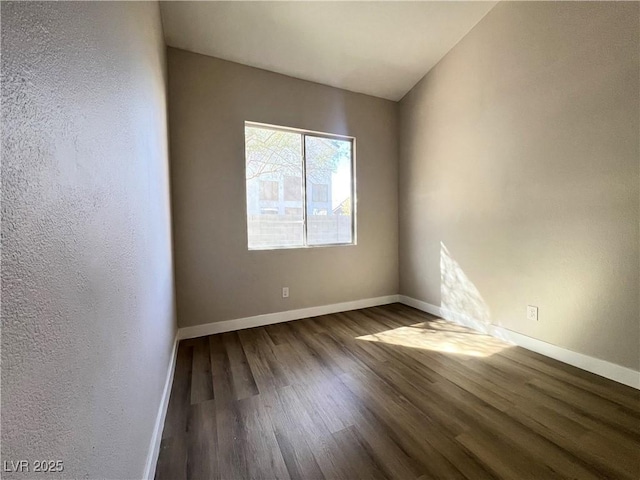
(377, 48)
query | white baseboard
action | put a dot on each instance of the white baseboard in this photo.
(154, 446)
(612, 371)
(271, 318)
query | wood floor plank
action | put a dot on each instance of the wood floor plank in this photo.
(297, 467)
(262, 450)
(617, 422)
(308, 336)
(231, 437)
(291, 437)
(390, 393)
(356, 454)
(568, 411)
(574, 376)
(202, 441)
(532, 442)
(311, 383)
(503, 462)
(243, 382)
(230, 429)
(172, 458)
(201, 381)
(178, 409)
(621, 458)
(378, 437)
(222, 377)
(267, 372)
(410, 427)
(584, 457)
(317, 437)
(279, 333)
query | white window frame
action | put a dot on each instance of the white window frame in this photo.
(354, 202)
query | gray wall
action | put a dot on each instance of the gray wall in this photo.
(519, 176)
(87, 290)
(217, 278)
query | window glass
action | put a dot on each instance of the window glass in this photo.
(271, 156)
(329, 219)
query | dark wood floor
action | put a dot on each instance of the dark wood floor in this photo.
(390, 392)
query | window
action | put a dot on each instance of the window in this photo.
(314, 171)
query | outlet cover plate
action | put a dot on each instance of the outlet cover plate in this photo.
(532, 313)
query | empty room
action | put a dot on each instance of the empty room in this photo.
(320, 240)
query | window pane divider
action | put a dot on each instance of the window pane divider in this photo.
(304, 190)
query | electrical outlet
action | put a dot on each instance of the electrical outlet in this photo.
(285, 292)
(532, 313)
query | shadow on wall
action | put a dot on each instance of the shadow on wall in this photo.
(460, 299)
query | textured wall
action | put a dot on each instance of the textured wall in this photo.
(519, 176)
(217, 278)
(87, 290)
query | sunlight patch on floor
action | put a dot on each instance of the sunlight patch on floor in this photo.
(440, 336)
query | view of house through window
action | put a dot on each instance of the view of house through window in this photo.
(299, 188)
